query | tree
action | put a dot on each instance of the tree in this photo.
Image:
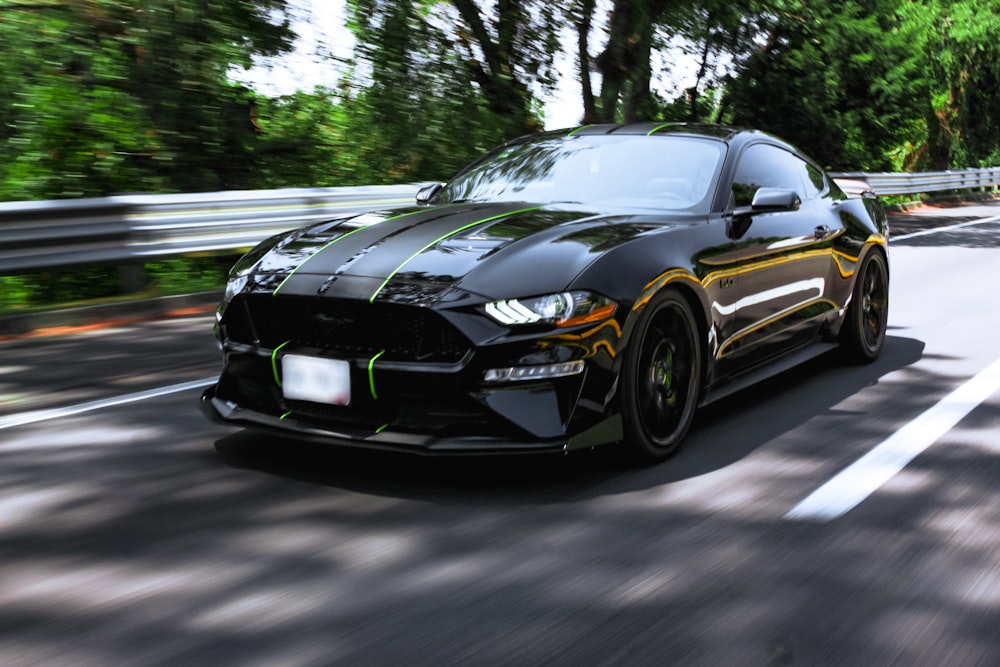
(104, 96)
(836, 80)
(510, 52)
(625, 63)
(882, 84)
(639, 31)
(961, 81)
(503, 56)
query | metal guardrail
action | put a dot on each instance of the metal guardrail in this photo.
(59, 233)
(883, 184)
(50, 234)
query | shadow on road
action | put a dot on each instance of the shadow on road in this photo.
(126, 541)
(973, 236)
(723, 433)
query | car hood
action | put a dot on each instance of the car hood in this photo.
(422, 255)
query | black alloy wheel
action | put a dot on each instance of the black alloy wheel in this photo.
(868, 316)
(661, 378)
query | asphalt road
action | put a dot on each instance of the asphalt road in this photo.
(137, 533)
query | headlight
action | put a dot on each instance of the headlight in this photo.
(565, 309)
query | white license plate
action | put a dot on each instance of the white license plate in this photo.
(315, 379)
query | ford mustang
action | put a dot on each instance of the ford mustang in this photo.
(569, 289)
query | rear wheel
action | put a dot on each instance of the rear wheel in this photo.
(661, 378)
(868, 315)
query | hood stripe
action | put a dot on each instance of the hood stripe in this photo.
(658, 128)
(341, 238)
(453, 232)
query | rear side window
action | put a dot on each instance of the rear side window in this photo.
(765, 166)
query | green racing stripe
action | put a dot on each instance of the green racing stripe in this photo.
(341, 238)
(658, 128)
(461, 229)
(274, 362)
(371, 375)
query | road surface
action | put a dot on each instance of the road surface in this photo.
(134, 532)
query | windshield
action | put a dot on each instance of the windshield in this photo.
(669, 172)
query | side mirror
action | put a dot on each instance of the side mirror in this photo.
(426, 193)
(770, 200)
(775, 199)
(765, 200)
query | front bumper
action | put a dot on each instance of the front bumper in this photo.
(418, 380)
(231, 414)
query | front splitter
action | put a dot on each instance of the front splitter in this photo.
(225, 412)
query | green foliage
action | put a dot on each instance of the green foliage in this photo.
(105, 96)
(963, 47)
(416, 107)
(70, 286)
(882, 84)
(189, 274)
(303, 142)
(414, 53)
(824, 80)
(61, 286)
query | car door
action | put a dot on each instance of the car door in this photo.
(783, 257)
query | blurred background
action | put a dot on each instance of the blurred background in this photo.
(104, 97)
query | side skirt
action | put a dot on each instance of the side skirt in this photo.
(767, 370)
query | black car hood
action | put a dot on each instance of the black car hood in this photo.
(422, 255)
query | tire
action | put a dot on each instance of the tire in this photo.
(661, 379)
(863, 332)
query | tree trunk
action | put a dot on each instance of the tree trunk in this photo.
(506, 95)
(583, 61)
(625, 63)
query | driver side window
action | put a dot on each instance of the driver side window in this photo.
(765, 166)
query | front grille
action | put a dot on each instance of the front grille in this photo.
(407, 402)
(346, 329)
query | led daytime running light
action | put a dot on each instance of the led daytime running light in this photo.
(563, 309)
(511, 312)
(523, 373)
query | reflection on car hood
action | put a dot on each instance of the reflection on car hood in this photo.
(426, 254)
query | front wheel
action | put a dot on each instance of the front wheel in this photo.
(864, 329)
(661, 378)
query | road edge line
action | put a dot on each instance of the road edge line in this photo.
(24, 418)
(938, 230)
(862, 478)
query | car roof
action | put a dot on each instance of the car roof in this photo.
(722, 132)
(735, 137)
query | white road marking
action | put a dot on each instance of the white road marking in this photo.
(863, 477)
(937, 230)
(55, 413)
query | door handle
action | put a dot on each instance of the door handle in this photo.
(821, 231)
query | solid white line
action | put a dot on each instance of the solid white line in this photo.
(859, 480)
(55, 413)
(938, 230)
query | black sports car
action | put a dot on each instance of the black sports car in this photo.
(567, 290)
